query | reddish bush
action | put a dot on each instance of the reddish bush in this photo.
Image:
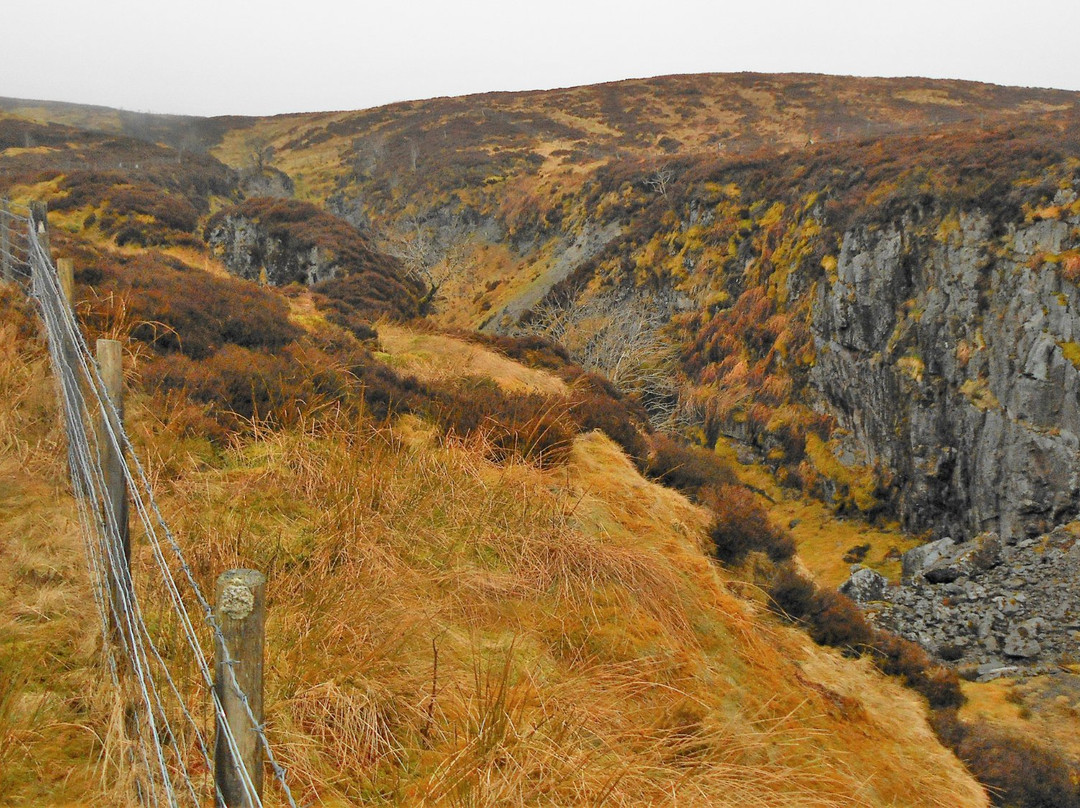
(384, 391)
(170, 210)
(610, 417)
(138, 213)
(740, 526)
(532, 351)
(364, 297)
(1019, 772)
(238, 384)
(19, 312)
(177, 309)
(241, 385)
(899, 657)
(689, 469)
(596, 404)
(834, 620)
(791, 593)
(86, 188)
(530, 426)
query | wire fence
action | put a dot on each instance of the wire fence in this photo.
(154, 627)
(14, 241)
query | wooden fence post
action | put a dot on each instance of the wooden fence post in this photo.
(115, 510)
(65, 269)
(39, 215)
(69, 354)
(240, 609)
(110, 360)
(6, 267)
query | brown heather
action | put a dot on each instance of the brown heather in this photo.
(587, 651)
(477, 597)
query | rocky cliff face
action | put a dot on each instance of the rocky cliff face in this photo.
(284, 241)
(947, 349)
(249, 249)
(267, 182)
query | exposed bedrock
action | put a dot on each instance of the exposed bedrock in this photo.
(949, 354)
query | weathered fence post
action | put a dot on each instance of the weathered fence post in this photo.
(241, 612)
(65, 270)
(115, 507)
(110, 427)
(69, 353)
(7, 272)
(39, 216)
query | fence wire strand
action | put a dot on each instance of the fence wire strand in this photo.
(167, 746)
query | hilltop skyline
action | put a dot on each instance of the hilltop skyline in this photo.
(211, 59)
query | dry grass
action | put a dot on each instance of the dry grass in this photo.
(54, 715)
(1040, 708)
(447, 631)
(453, 632)
(496, 276)
(437, 357)
(822, 537)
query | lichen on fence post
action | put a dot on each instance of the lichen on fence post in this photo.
(240, 610)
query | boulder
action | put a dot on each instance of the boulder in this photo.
(1020, 643)
(994, 669)
(944, 574)
(988, 551)
(924, 556)
(864, 586)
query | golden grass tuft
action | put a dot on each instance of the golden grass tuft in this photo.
(437, 357)
(55, 712)
(444, 630)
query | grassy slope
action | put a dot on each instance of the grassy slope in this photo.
(1045, 709)
(574, 128)
(587, 650)
(524, 159)
(697, 110)
(320, 151)
(48, 671)
(823, 537)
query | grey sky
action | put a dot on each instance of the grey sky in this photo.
(210, 57)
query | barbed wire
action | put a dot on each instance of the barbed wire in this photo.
(15, 249)
(158, 717)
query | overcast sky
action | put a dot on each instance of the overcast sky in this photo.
(211, 57)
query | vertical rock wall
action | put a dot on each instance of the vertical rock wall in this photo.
(947, 351)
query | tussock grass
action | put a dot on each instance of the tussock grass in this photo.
(448, 631)
(445, 630)
(54, 713)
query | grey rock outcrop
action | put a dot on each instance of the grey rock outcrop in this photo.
(864, 586)
(920, 558)
(1022, 640)
(946, 351)
(1007, 606)
(268, 181)
(248, 249)
(567, 255)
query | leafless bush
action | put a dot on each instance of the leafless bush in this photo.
(430, 254)
(621, 336)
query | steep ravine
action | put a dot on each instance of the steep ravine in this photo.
(947, 351)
